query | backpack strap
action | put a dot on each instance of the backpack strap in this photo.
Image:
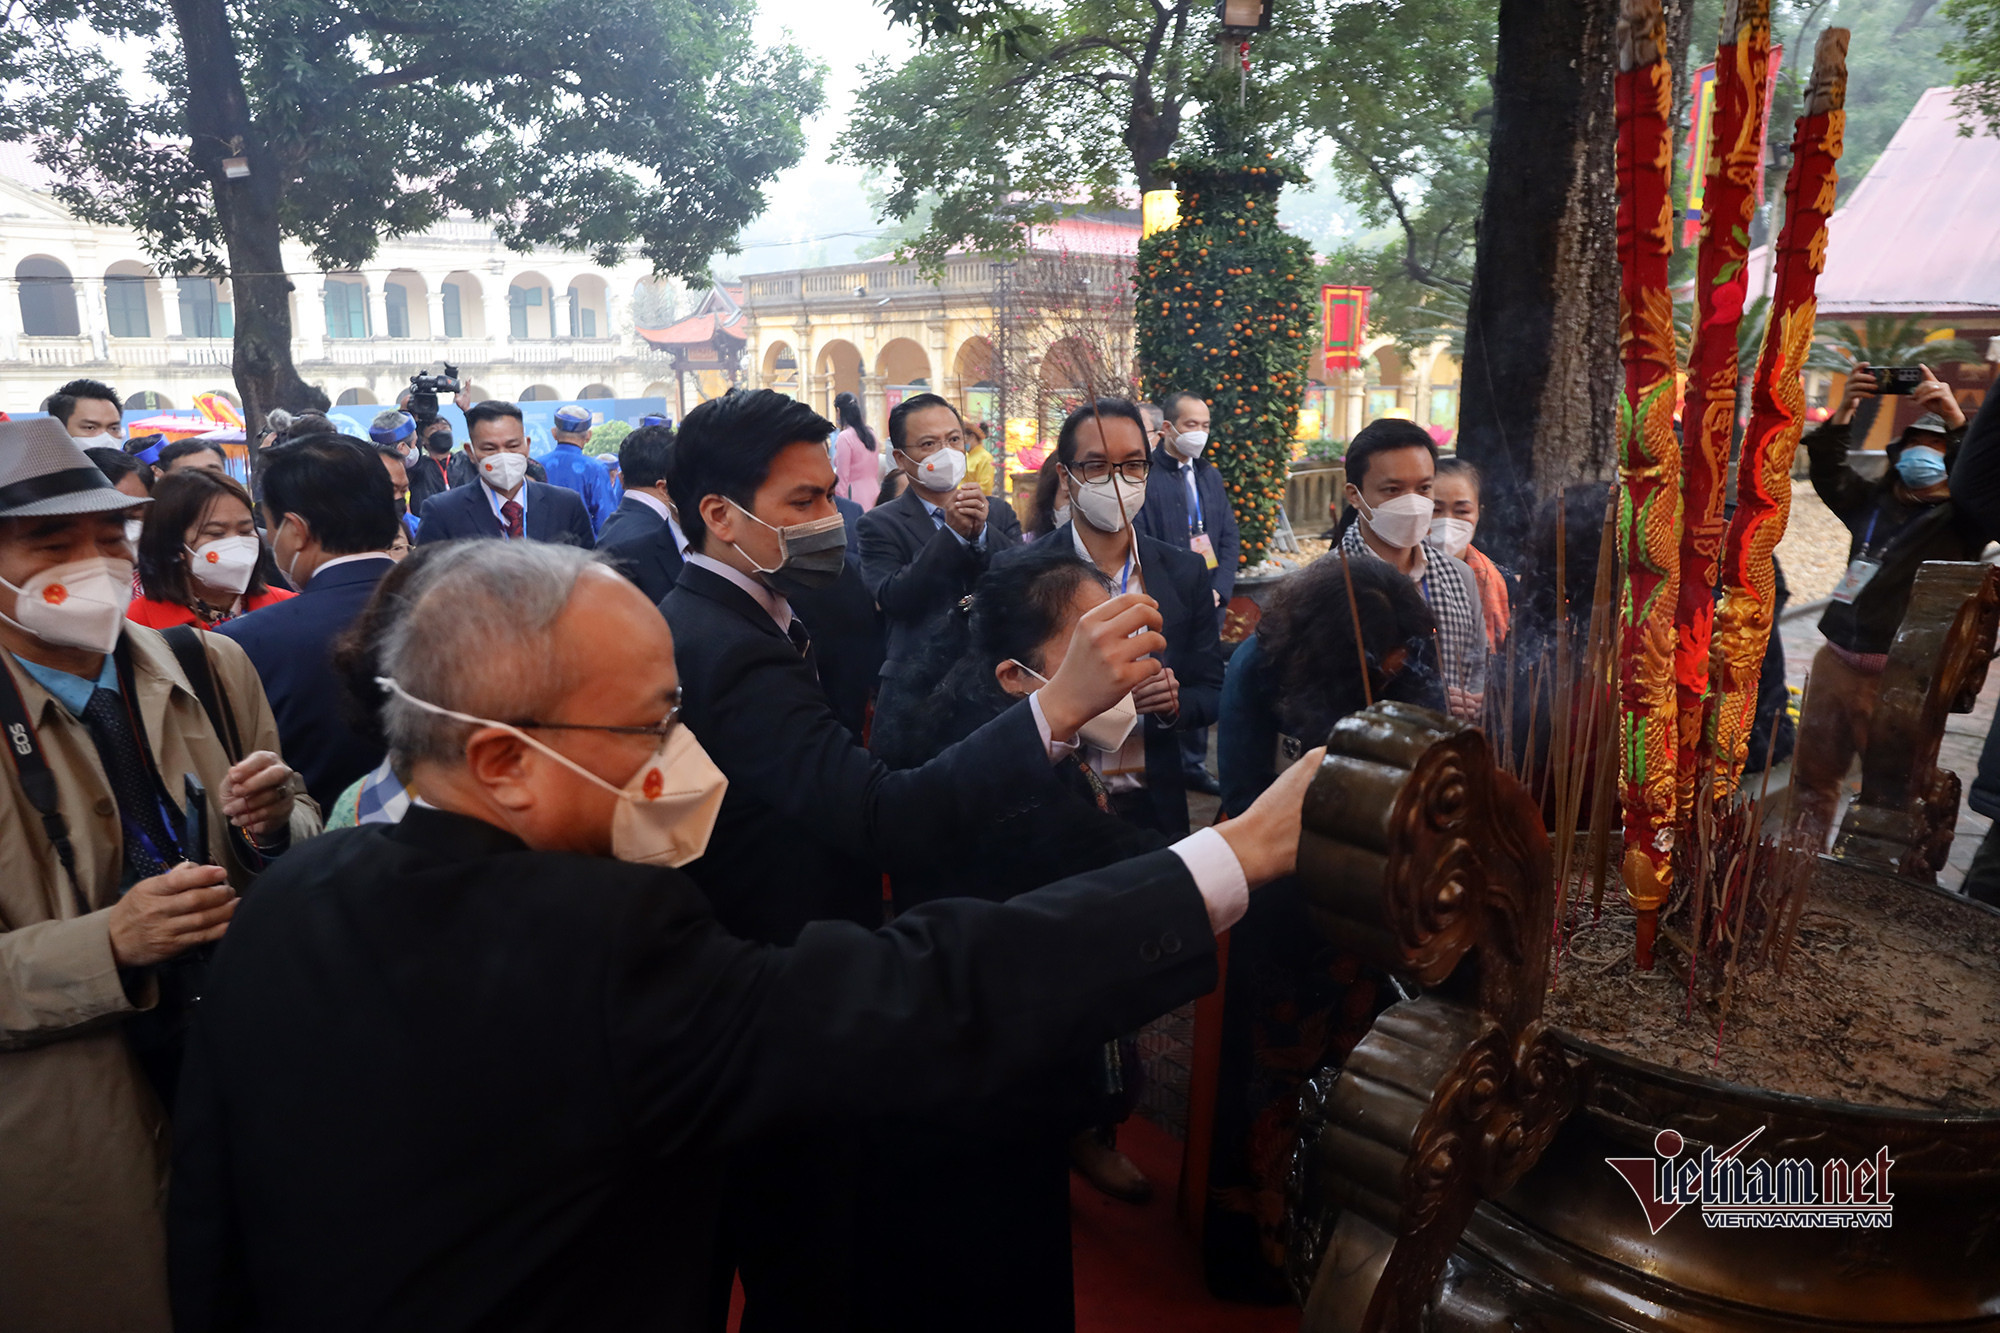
(185, 643)
(38, 781)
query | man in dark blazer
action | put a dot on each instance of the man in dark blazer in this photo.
(1090, 443)
(811, 821)
(505, 502)
(645, 459)
(1188, 506)
(437, 469)
(922, 551)
(471, 1070)
(331, 512)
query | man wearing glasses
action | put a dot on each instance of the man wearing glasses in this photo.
(1103, 464)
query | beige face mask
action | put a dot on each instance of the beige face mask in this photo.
(665, 813)
(1108, 730)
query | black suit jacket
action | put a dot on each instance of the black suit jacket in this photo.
(555, 514)
(811, 820)
(439, 1081)
(632, 520)
(1165, 514)
(918, 571)
(652, 561)
(291, 645)
(1178, 580)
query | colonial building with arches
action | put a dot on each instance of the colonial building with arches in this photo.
(78, 299)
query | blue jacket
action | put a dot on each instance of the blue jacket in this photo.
(569, 466)
(291, 645)
(555, 514)
(1165, 516)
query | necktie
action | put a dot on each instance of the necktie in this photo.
(801, 640)
(510, 510)
(131, 785)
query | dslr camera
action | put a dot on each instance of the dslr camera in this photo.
(424, 391)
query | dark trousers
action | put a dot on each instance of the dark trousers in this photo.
(972, 1223)
(1194, 750)
(789, 1228)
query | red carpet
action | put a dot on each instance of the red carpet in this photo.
(1137, 1270)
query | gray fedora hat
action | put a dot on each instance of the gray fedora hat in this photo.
(43, 471)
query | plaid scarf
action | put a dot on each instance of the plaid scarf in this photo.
(1450, 594)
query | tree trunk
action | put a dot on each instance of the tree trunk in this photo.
(247, 208)
(1540, 373)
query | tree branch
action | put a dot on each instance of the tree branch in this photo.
(1412, 244)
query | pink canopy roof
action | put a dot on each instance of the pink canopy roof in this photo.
(1919, 235)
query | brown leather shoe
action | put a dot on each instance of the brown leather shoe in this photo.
(1111, 1171)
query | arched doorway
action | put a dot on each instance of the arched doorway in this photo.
(131, 300)
(596, 391)
(531, 307)
(538, 393)
(838, 367)
(148, 400)
(48, 298)
(464, 307)
(781, 368)
(405, 305)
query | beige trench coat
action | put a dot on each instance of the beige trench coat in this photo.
(83, 1147)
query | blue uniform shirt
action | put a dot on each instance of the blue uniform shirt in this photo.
(569, 466)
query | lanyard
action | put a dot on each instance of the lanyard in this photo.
(1196, 522)
(172, 855)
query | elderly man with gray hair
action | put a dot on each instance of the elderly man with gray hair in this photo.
(479, 1065)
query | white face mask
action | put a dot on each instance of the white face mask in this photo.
(1401, 522)
(80, 604)
(504, 471)
(665, 813)
(942, 471)
(1190, 444)
(104, 439)
(1453, 534)
(1108, 730)
(1060, 516)
(133, 527)
(1099, 505)
(226, 562)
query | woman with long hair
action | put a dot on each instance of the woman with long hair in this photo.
(857, 459)
(201, 561)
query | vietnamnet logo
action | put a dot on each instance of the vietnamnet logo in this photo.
(1734, 1192)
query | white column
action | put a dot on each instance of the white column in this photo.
(498, 331)
(1357, 395)
(434, 307)
(613, 315)
(170, 306)
(310, 288)
(10, 317)
(96, 324)
(378, 304)
(561, 313)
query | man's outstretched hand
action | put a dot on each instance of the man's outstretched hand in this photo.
(1265, 837)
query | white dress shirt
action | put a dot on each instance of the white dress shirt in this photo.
(496, 499)
(660, 507)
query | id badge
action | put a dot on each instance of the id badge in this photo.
(1854, 580)
(1203, 547)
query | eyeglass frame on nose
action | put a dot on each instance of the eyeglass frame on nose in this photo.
(1144, 466)
(658, 731)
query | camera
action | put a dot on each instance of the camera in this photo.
(424, 391)
(1898, 379)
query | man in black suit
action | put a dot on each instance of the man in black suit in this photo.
(1102, 462)
(811, 821)
(331, 511)
(470, 1070)
(436, 469)
(642, 536)
(922, 551)
(645, 458)
(1187, 506)
(506, 502)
